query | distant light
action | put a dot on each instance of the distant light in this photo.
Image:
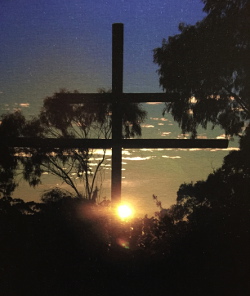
(124, 211)
(193, 100)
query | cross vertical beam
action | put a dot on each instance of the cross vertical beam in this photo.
(117, 90)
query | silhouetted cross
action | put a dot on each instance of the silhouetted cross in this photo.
(116, 98)
(117, 142)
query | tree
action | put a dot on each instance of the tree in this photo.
(226, 190)
(217, 215)
(57, 120)
(206, 69)
(11, 125)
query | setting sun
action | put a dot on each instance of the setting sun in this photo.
(124, 211)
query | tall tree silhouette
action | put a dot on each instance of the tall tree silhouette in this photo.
(10, 126)
(58, 120)
(206, 68)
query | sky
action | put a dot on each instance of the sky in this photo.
(47, 45)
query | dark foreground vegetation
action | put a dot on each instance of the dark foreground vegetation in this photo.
(71, 246)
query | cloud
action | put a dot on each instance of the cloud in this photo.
(165, 134)
(223, 136)
(147, 125)
(25, 105)
(226, 149)
(201, 137)
(137, 158)
(171, 157)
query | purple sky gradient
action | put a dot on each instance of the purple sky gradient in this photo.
(51, 44)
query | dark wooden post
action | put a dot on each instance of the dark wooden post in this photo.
(117, 89)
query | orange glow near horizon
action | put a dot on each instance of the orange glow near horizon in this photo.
(124, 211)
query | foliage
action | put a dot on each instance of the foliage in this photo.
(63, 120)
(55, 195)
(10, 126)
(205, 69)
(215, 214)
(7, 184)
(70, 246)
(225, 189)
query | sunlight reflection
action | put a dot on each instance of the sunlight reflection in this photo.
(123, 243)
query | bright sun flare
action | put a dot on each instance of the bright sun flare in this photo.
(124, 211)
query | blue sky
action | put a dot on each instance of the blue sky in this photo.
(50, 44)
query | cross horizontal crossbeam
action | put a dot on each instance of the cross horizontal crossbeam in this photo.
(51, 143)
(79, 98)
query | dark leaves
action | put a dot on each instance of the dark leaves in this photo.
(209, 60)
